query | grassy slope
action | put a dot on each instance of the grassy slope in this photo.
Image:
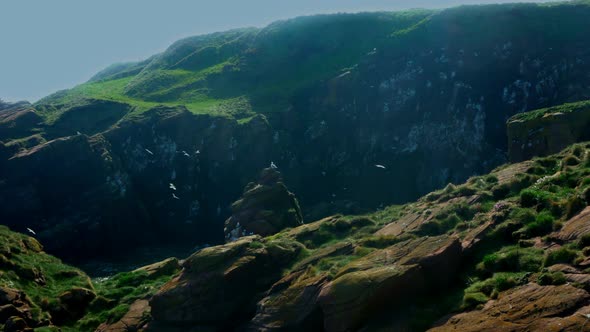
(265, 67)
(529, 200)
(21, 257)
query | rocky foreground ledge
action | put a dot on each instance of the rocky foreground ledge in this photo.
(509, 251)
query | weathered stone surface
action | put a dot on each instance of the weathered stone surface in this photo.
(134, 320)
(265, 208)
(549, 133)
(576, 227)
(291, 304)
(527, 308)
(165, 267)
(219, 284)
(386, 277)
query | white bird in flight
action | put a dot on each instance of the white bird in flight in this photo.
(174, 196)
(172, 186)
(185, 154)
(31, 231)
(380, 166)
(150, 152)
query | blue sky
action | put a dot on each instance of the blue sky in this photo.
(53, 45)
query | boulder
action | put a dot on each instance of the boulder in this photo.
(218, 285)
(72, 305)
(546, 131)
(265, 208)
(387, 277)
(526, 308)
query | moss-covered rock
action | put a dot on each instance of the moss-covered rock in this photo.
(526, 308)
(218, 284)
(265, 208)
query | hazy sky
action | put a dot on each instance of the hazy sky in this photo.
(49, 45)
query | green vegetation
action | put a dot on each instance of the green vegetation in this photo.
(565, 108)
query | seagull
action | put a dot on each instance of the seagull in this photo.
(78, 133)
(174, 196)
(172, 186)
(198, 152)
(380, 166)
(272, 165)
(150, 152)
(185, 153)
(31, 231)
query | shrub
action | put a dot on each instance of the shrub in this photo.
(584, 241)
(472, 300)
(528, 198)
(512, 259)
(571, 161)
(551, 278)
(532, 197)
(501, 191)
(542, 225)
(561, 255)
(574, 205)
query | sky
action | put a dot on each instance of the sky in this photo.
(46, 46)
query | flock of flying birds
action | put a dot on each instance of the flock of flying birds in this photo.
(173, 187)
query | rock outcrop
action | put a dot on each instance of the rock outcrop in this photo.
(527, 308)
(265, 208)
(218, 285)
(547, 131)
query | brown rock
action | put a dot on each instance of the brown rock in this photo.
(265, 208)
(527, 308)
(219, 283)
(576, 227)
(7, 311)
(291, 305)
(16, 324)
(73, 304)
(387, 277)
(134, 320)
(165, 267)
(13, 296)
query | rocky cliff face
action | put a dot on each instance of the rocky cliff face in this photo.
(508, 251)
(546, 131)
(377, 109)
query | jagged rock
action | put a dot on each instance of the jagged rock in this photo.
(527, 308)
(12, 296)
(134, 320)
(16, 324)
(165, 267)
(218, 284)
(387, 276)
(265, 208)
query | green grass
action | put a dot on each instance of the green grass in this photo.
(565, 108)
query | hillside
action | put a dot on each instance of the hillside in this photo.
(461, 258)
(425, 94)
